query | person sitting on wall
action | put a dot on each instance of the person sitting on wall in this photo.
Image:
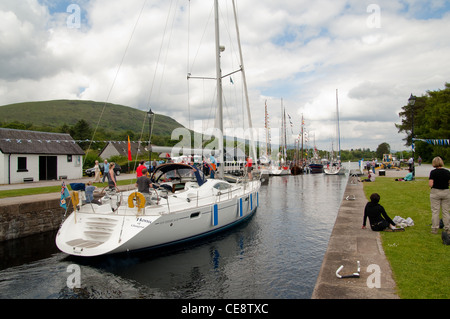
(378, 218)
(370, 178)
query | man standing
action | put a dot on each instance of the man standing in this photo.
(143, 184)
(105, 170)
(249, 166)
(139, 169)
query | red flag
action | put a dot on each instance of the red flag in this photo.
(129, 149)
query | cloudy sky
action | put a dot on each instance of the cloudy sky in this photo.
(138, 53)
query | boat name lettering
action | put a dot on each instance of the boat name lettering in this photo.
(140, 219)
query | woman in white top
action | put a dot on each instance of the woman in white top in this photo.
(97, 172)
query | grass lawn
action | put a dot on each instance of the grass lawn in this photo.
(419, 261)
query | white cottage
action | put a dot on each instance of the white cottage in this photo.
(36, 156)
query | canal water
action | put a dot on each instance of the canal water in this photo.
(277, 254)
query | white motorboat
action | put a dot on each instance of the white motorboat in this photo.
(184, 208)
(185, 205)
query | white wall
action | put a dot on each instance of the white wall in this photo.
(73, 170)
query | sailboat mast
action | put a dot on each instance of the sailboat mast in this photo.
(302, 139)
(282, 133)
(267, 128)
(283, 136)
(244, 80)
(219, 88)
(338, 132)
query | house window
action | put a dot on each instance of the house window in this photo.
(22, 164)
(69, 158)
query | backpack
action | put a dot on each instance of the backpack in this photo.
(445, 238)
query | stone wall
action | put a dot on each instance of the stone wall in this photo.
(24, 219)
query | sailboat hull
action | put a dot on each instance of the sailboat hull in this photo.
(316, 168)
(279, 171)
(99, 231)
(296, 170)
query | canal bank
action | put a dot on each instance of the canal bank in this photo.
(350, 244)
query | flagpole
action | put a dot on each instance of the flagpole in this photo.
(129, 153)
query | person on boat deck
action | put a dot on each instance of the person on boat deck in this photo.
(378, 218)
(139, 169)
(408, 177)
(213, 162)
(89, 191)
(111, 176)
(249, 166)
(143, 184)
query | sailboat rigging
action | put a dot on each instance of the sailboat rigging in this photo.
(335, 167)
(184, 204)
(298, 165)
(280, 168)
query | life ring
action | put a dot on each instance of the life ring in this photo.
(140, 200)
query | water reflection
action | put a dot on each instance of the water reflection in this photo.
(275, 254)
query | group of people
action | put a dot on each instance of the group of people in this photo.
(108, 173)
(439, 180)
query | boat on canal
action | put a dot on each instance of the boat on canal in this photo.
(335, 166)
(184, 205)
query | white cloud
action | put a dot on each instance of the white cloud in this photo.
(300, 51)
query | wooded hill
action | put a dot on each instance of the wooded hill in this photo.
(54, 116)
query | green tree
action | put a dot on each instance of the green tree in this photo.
(430, 117)
(383, 148)
(81, 131)
(18, 125)
(64, 128)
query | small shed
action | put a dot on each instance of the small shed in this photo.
(27, 156)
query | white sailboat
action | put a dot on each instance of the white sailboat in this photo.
(335, 166)
(189, 206)
(265, 159)
(280, 167)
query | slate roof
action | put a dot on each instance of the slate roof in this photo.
(32, 142)
(122, 148)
